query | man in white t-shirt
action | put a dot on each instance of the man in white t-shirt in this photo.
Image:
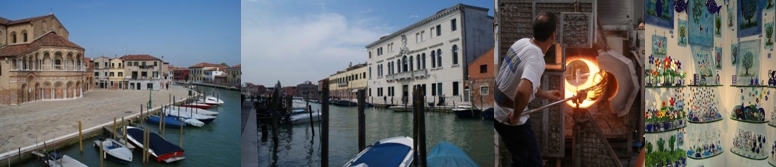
(517, 83)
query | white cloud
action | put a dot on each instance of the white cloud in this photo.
(293, 49)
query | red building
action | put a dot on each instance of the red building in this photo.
(288, 90)
(482, 80)
(180, 74)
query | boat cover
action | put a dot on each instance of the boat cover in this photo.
(445, 154)
(388, 154)
(158, 144)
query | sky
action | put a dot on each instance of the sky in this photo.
(301, 40)
(184, 32)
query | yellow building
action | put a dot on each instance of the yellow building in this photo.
(345, 84)
(116, 75)
(38, 62)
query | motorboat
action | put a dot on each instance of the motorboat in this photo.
(488, 114)
(159, 148)
(304, 117)
(188, 115)
(466, 111)
(298, 103)
(56, 159)
(401, 108)
(197, 105)
(394, 151)
(210, 100)
(447, 154)
(114, 150)
(194, 110)
(169, 121)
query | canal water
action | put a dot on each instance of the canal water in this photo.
(298, 146)
(215, 144)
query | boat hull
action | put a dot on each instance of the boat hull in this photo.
(488, 114)
(304, 118)
(400, 108)
(200, 106)
(120, 154)
(395, 151)
(467, 113)
(169, 152)
(169, 121)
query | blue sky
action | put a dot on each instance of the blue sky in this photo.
(294, 41)
(184, 32)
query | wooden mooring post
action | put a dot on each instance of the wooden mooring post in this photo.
(80, 138)
(310, 111)
(361, 120)
(102, 155)
(325, 125)
(420, 125)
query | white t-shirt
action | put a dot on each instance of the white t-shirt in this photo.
(523, 60)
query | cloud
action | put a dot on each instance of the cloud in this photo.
(413, 16)
(293, 49)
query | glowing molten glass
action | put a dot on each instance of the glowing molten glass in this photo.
(581, 81)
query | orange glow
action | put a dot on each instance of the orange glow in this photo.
(572, 90)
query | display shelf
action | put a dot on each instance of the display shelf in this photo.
(705, 85)
(769, 162)
(748, 157)
(665, 86)
(705, 121)
(665, 126)
(772, 124)
(751, 122)
(700, 157)
(750, 86)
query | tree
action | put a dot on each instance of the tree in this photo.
(718, 24)
(769, 34)
(649, 147)
(671, 142)
(224, 64)
(748, 9)
(747, 61)
(661, 145)
(697, 10)
(682, 33)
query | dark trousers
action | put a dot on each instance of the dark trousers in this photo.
(521, 143)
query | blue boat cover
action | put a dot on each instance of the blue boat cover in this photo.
(158, 144)
(168, 120)
(388, 155)
(445, 154)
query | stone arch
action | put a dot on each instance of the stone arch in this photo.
(58, 94)
(24, 36)
(58, 60)
(69, 89)
(46, 60)
(22, 93)
(77, 89)
(47, 90)
(13, 37)
(69, 61)
(43, 27)
(38, 91)
(28, 91)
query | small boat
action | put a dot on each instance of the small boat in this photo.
(466, 111)
(169, 121)
(304, 117)
(163, 150)
(197, 105)
(298, 111)
(58, 160)
(194, 110)
(401, 108)
(395, 151)
(213, 100)
(188, 115)
(446, 154)
(114, 150)
(487, 114)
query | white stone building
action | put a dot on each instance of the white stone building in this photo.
(432, 53)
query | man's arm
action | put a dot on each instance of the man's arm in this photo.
(522, 95)
(549, 94)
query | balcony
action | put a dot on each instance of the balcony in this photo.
(390, 77)
(341, 84)
(420, 73)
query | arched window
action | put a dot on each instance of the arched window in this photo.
(433, 59)
(398, 66)
(370, 72)
(411, 63)
(404, 63)
(24, 35)
(424, 60)
(58, 64)
(13, 37)
(455, 54)
(417, 60)
(439, 57)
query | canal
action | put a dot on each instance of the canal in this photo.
(298, 146)
(215, 144)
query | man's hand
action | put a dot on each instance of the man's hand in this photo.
(553, 95)
(512, 118)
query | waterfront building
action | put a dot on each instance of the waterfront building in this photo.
(432, 54)
(116, 75)
(211, 73)
(307, 89)
(288, 90)
(234, 74)
(142, 72)
(197, 71)
(38, 62)
(180, 74)
(101, 69)
(89, 73)
(481, 81)
(344, 84)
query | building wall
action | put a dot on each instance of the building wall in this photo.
(340, 86)
(3, 35)
(116, 81)
(448, 74)
(19, 28)
(482, 80)
(102, 68)
(143, 84)
(49, 24)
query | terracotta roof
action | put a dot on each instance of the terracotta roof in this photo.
(49, 39)
(237, 66)
(4, 20)
(138, 57)
(27, 20)
(204, 64)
